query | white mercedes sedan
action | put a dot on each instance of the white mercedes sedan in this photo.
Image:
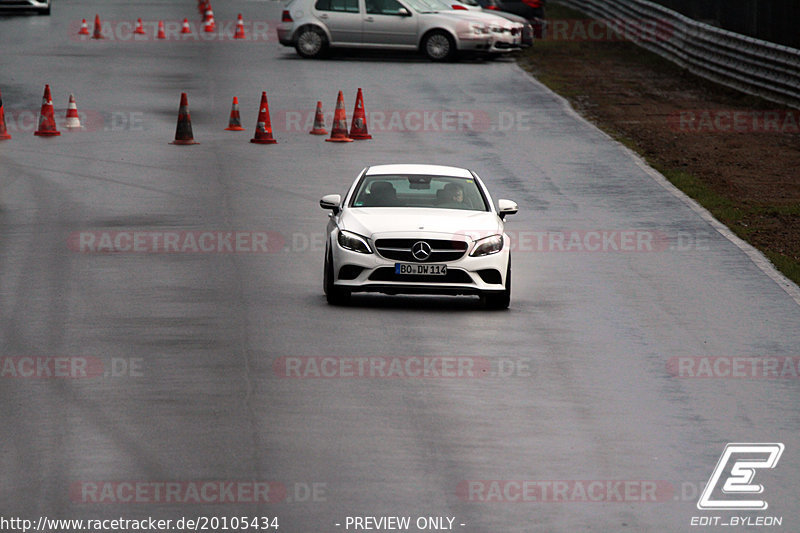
(417, 229)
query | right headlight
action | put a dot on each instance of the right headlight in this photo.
(487, 246)
(353, 242)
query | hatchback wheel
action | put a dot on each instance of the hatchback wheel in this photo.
(439, 46)
(311, 42)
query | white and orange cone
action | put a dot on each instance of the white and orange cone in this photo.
(319, 122)
(139, 28)
(185, 27)
(84, 28)
(339, 128)
(264, 125)
(240, 28)
(161, 34)
(358, 129)
(208, 24)
(47, 119)
(235, 122)
(183, 134)
(73, 120)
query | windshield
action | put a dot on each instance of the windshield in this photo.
(427, 6)
(417, 190)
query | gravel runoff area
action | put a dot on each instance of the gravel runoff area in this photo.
(737, 155)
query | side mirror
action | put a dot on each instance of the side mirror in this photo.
(506, 207)
(331, 201)
(403, 12)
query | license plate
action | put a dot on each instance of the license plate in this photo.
(419, 269)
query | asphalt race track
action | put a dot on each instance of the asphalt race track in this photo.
(217, 382)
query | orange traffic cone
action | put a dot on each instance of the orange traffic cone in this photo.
(201, 6)
(235, 123)
(358, 129)
(47, 120)
(4, 135)
(161, 34)
(208, 23)
(73, 120)
(84, 28)
(139, 28)
(98, 29)
(264, 126)
(339, 128)
(319, 122)
(183, 135)
(185, 28)
(240, 28)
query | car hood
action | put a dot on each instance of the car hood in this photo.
(374, 222)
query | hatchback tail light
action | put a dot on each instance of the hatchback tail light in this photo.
(459, 6)
(286, 17)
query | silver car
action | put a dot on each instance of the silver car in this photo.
(42, 7)
(313, 26)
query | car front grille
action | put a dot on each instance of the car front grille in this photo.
(388, 274)
(442, 250)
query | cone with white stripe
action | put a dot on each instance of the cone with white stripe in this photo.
(139, 28)
(183, 134)
(240, 28)
(235, 122)
(161, 33)
(185, 27)
(319, 122)
(339, 128)
(358, 129)
(73, 121)
(47, 119)
(84, 28)
(208, 23)
(264, 126)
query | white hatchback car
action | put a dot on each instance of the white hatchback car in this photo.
(417, 229)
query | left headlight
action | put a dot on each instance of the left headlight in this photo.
(487, 246)
(353, 242)
(479, 29)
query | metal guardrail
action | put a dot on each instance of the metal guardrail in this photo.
(753, 66)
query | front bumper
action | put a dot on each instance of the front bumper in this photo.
(358, 272)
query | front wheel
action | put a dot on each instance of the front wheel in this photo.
(311, 42)
(439, 46)
(500, 300)
(334, 294)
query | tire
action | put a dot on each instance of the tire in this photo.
(500, 300)
(334, 294)
(311, 42)
(439, 46)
